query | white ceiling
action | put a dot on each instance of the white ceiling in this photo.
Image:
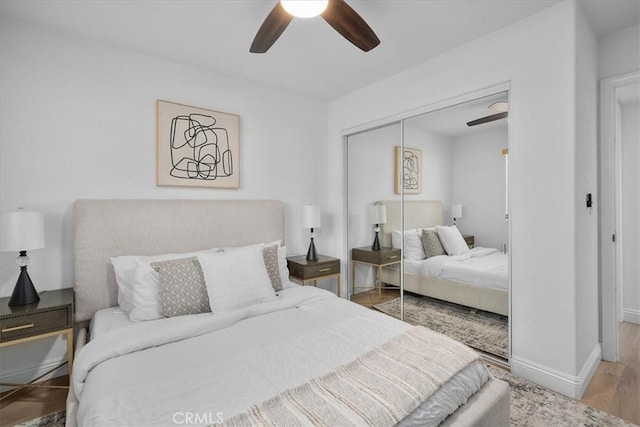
(310, 58)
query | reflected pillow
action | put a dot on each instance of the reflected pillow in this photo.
(432, 244)
(413, 247)
(452, 240)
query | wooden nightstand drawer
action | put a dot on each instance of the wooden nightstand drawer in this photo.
(306, 271)
(381, 257)
(310, 270)
(321, 270)
(26, 325)
(470, 240)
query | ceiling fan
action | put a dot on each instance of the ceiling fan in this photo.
(337, 13)
(501, 106)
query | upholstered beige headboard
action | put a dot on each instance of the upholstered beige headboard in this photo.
(108, 228)
(417, 214)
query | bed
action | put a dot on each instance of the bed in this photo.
(245, 366)
(480, 282)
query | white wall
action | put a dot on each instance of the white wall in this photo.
(630, 146)
(619, 52)
(78, 121)
(586, 181)
(541, 69)
(478, 184)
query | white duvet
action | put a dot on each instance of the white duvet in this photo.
(485, 267)
(216, 366)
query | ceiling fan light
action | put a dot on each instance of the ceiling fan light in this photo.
(501, 106)
(304, 8)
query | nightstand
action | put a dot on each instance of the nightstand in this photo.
(470, 240)
(51, 316)
(378, 259)
(305, 271)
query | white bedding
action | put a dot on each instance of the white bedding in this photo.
(484, 267)
(222, 364)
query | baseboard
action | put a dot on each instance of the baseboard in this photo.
(23, 376)
(630, 315)
(569, 385)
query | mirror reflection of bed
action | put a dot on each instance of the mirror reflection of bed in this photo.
(465, 294)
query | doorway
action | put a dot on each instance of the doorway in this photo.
(620, 208)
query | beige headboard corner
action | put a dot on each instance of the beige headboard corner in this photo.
(417, 214)
(108, 228)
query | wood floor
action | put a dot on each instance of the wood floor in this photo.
(31, 403)
(615, 388)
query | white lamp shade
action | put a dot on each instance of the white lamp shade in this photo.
(311, 216)
(378, 214)
(21, 231)
(456, 211)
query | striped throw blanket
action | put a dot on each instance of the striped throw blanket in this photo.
(379, 388)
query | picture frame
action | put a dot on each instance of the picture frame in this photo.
(408, 170)
(196, 147)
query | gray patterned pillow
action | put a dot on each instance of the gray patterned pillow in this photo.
(270, 255)
(432, 244)
(182, 288)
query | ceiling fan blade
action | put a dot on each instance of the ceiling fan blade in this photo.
(272, 27)
(347, 22)
(488, 119)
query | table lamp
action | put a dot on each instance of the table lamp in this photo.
(21, 231)
(311, 220)
(378, 216)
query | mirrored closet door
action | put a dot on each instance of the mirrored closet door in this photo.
(371, 188)
(457, 281)
(435, 184)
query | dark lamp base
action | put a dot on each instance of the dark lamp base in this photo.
(312, 255)
(24, 292)
(376, 243)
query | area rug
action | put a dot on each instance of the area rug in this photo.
(487, 332)
(536, 406)
(55, 419)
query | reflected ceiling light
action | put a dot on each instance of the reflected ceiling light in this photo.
(304, 8)
(501, 106)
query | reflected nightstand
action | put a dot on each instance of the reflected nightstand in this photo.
(378, 259)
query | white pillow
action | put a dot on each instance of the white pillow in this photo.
(236, 279)
(452, 240)
(282, 266)
(138, 284)
(413, 248)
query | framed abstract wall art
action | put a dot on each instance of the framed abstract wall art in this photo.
(197, 147)
(408, 170)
